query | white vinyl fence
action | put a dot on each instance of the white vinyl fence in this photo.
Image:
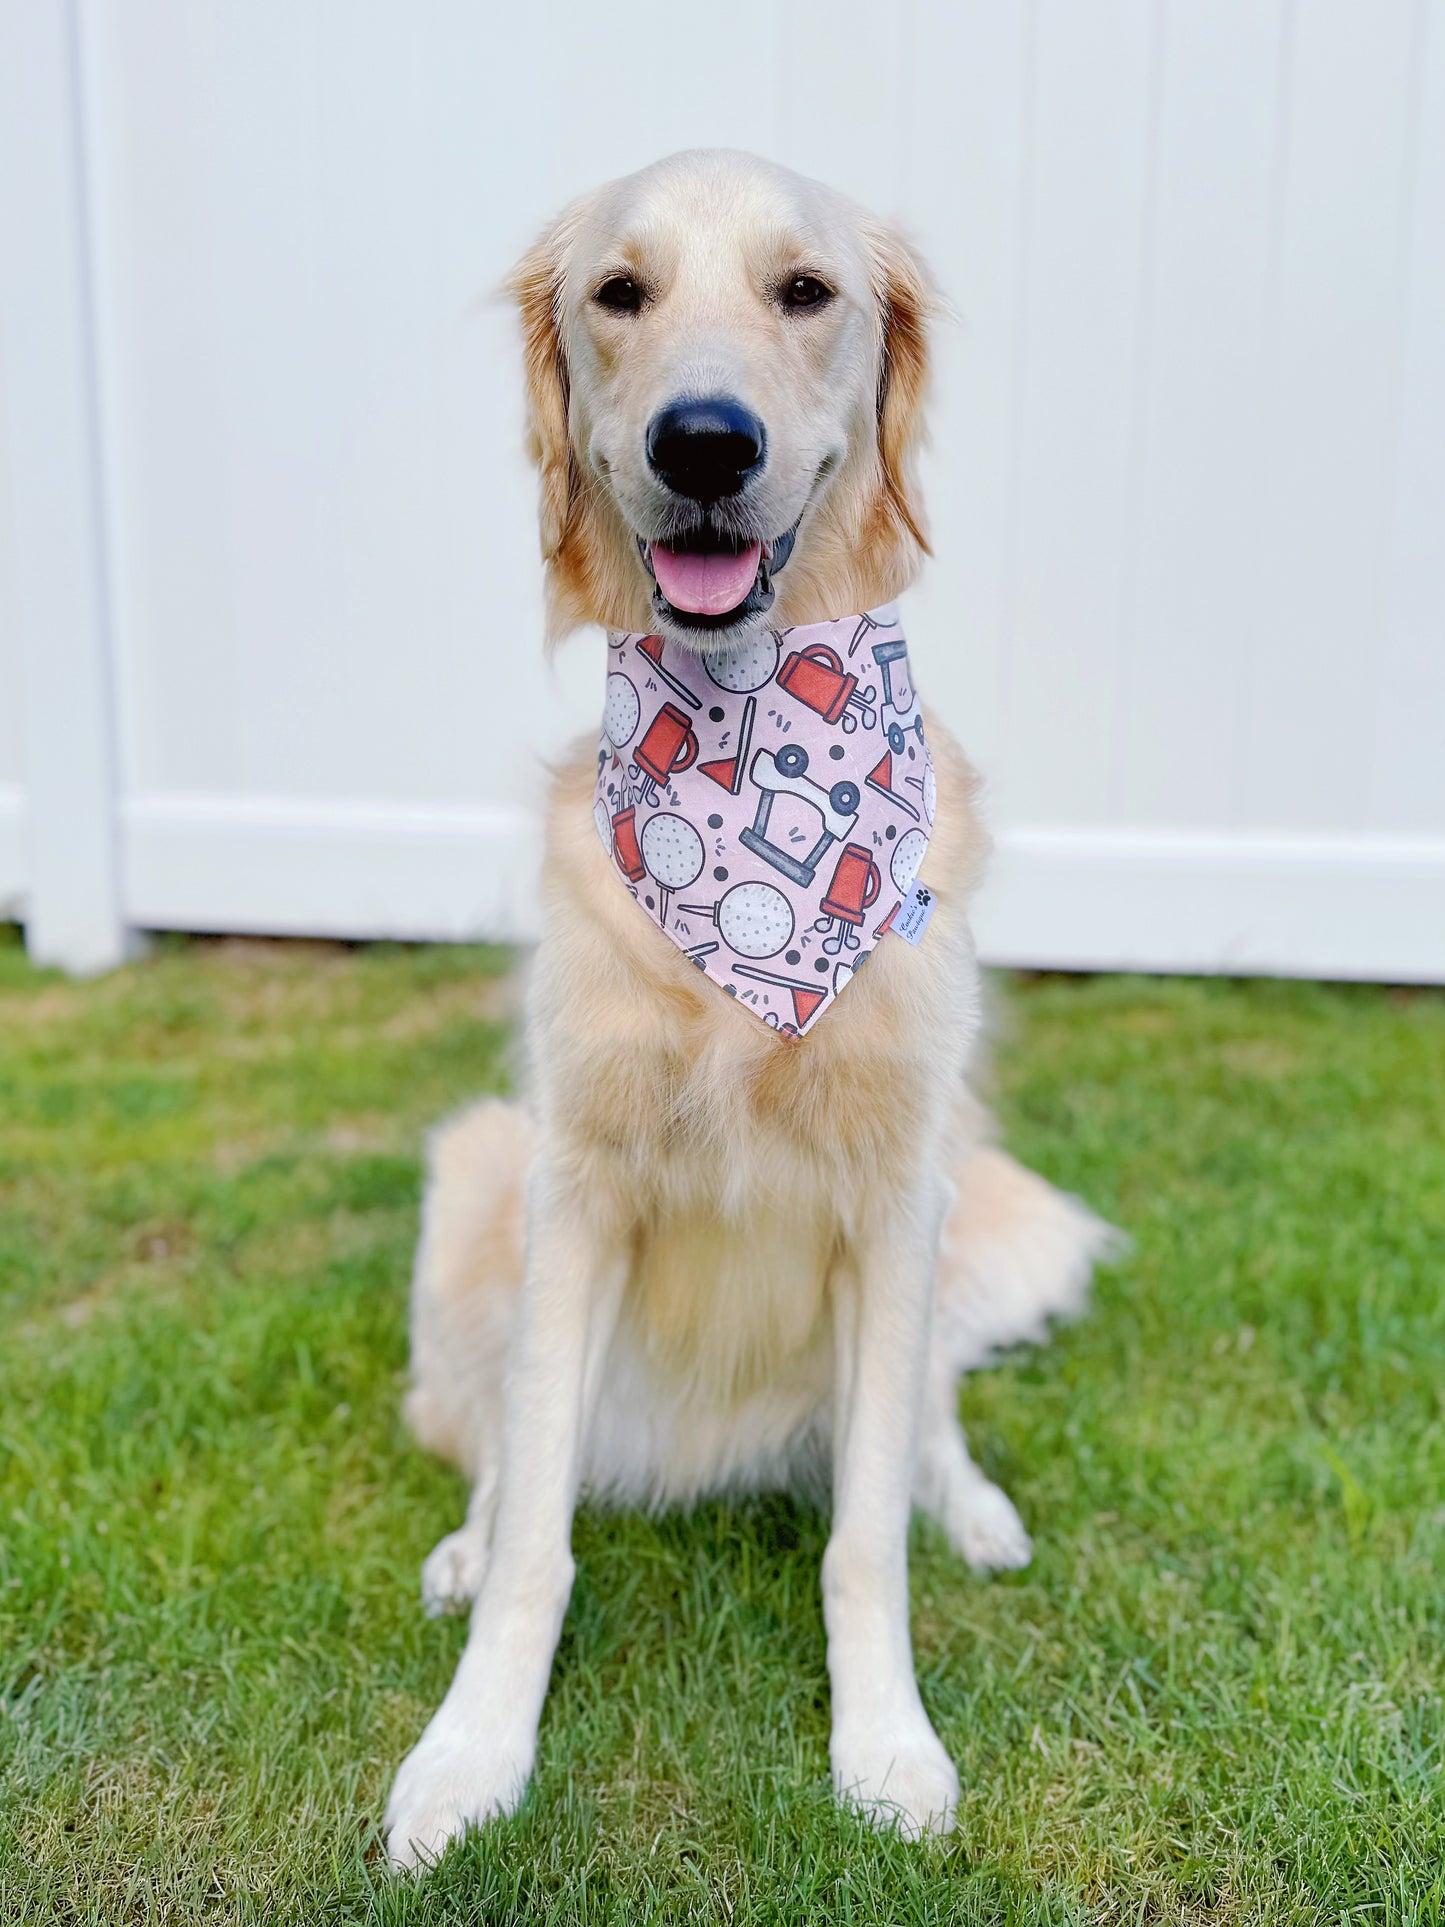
(267, 557)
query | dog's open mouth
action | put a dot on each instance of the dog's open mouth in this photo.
(708, 579)
(703, 575)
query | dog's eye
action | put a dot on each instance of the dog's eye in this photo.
(620, 295)
(806, 291)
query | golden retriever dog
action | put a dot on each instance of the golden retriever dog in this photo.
(711, 1255)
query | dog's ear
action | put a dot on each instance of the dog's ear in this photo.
(588, 563)
(907, 302)
(535, 284)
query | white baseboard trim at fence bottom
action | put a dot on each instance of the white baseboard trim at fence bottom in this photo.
(1348, 907)
(14, 870)
(1366, 907)
(292, 867)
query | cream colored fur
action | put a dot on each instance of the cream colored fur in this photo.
(706, 1257)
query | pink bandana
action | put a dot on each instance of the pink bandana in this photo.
(768, 806)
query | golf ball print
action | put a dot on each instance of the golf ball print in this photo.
(908, 854)
(603, 823)
(755, 919)
(621, 712)
(745, 668)
(672, 850)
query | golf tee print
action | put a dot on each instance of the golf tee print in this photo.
(768, 806)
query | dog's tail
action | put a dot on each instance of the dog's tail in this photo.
(1015, 1254)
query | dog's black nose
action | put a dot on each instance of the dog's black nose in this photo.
(705, 449)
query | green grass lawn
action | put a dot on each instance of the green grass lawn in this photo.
(1216, 1695)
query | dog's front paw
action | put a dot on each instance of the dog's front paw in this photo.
(453, 1572)
(987, 1530)
(897, 1777)
(453, 1778)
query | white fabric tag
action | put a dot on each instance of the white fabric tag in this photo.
(910, 919)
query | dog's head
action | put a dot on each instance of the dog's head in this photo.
(725, 373)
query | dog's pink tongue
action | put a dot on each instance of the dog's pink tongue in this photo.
(705, 585)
